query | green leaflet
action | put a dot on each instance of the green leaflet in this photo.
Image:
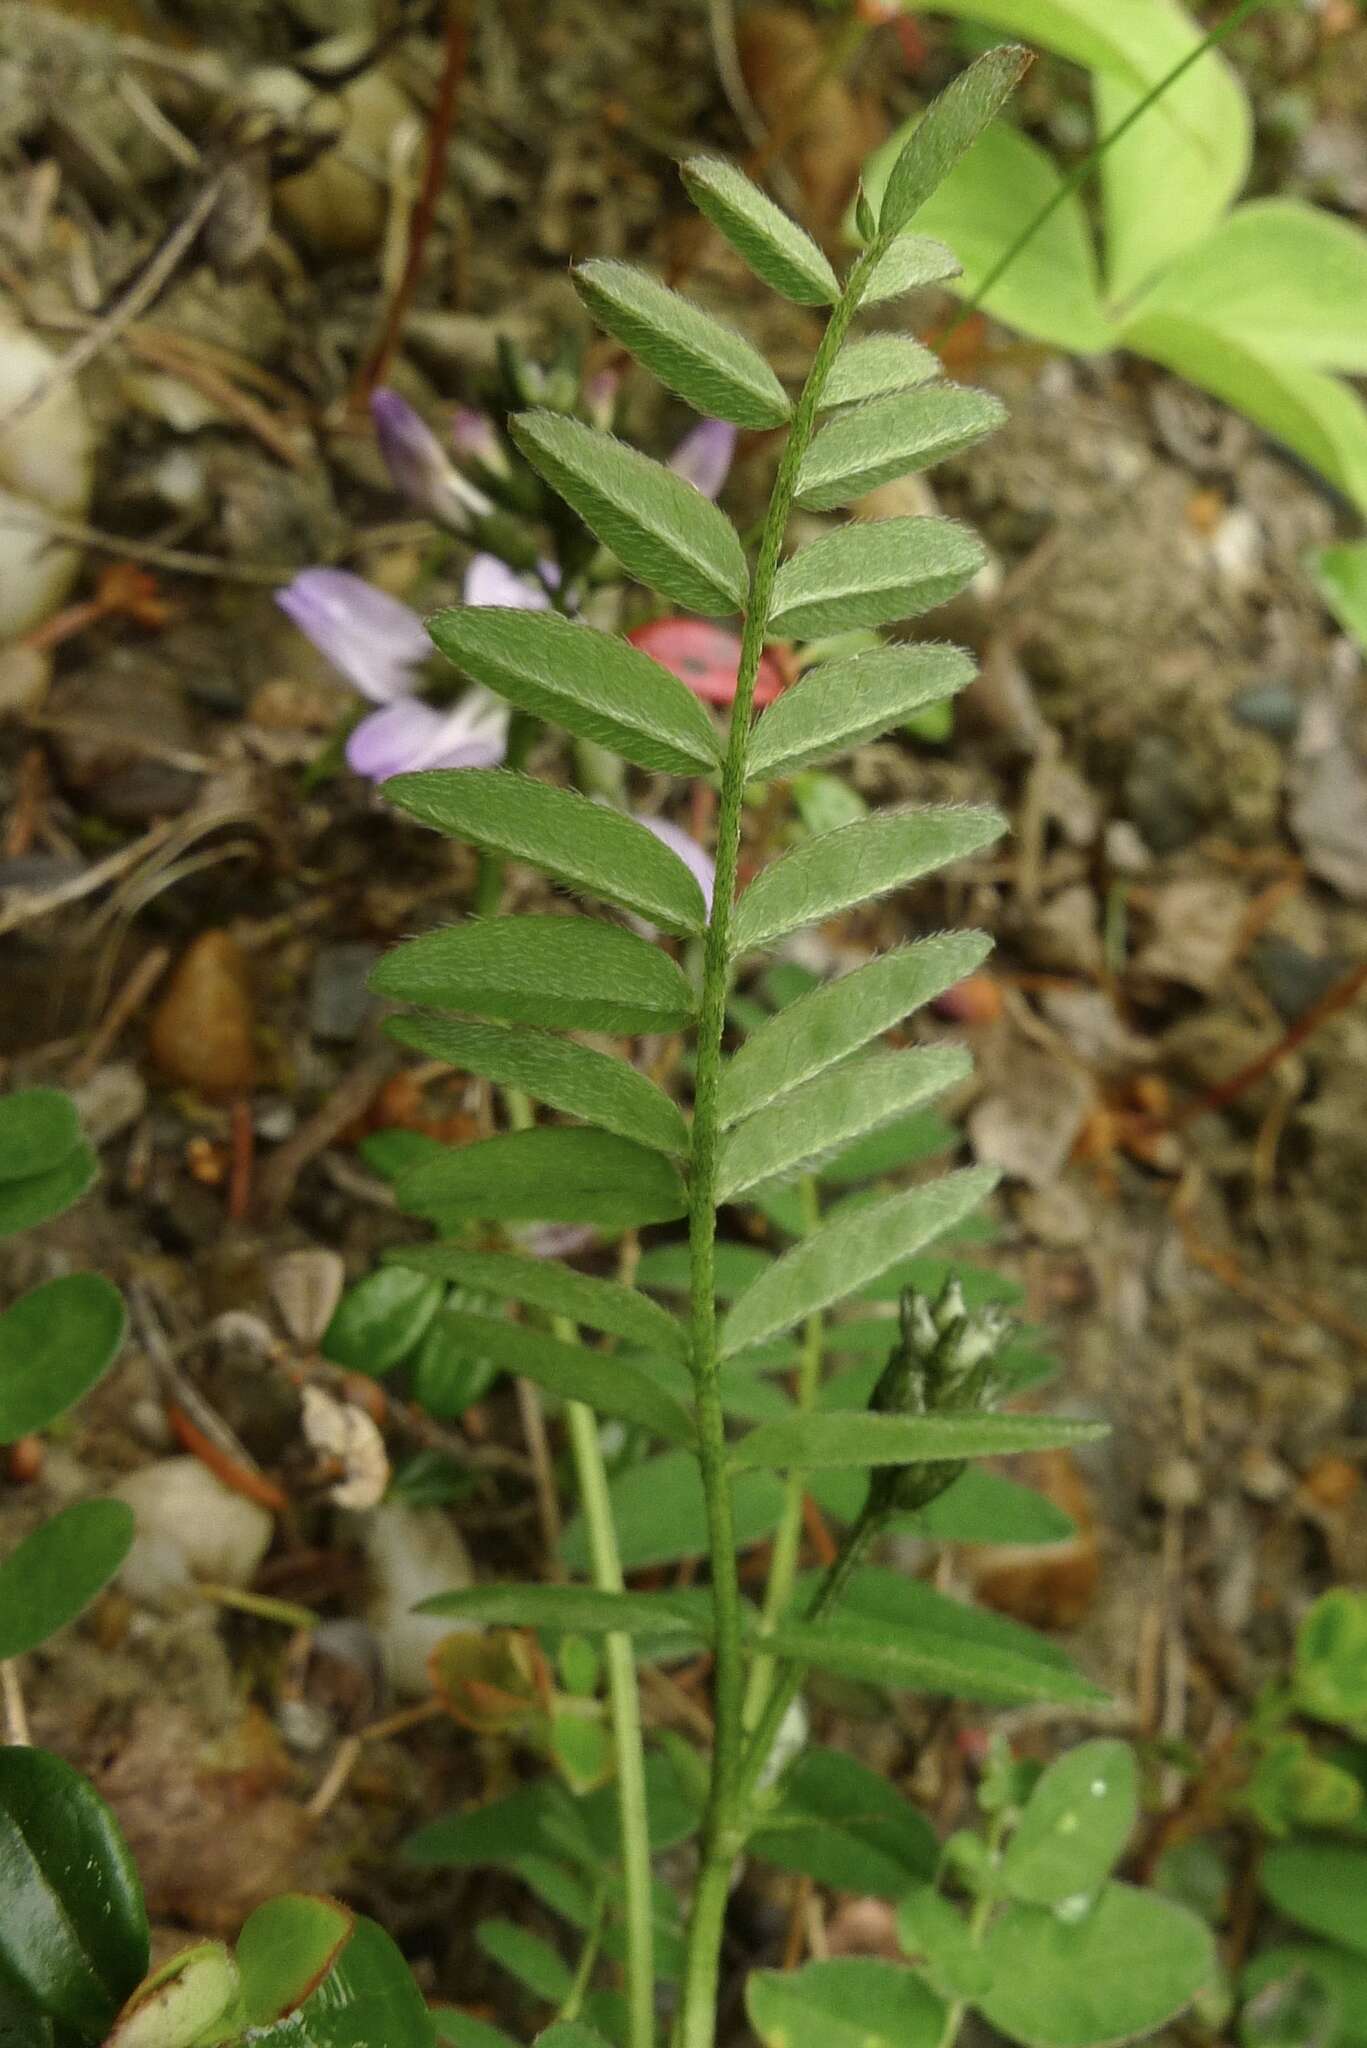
(285, 1950)
(1320, 1885)
(922, 1661)
(73, 1925)
(849, 1251)
(775, 247)
(660, 1515)
(715, 369)
(850, 2002)
(841, 704)
(888, 437)
(664, 533)
(844, 1825)
(813, 1441)
(367, 1995)
(876, 365)
(568, 973)
(572, 1610)
(838, 1017)
(583, 844)
(950, 126)
(58, 1569)
(571, 1078)
(464, 2032)
(938, 1936)
(593, 684)
(39, 1128)
(525, 1956)
(55, 1343)
(816, 1122)
(26, 1203)
(908, 264)
(837, 870)
(1075, 1825)
(547, 1284)
(381, 1320)
(575, 1373)
(551, 1174)
(872, 573)
(570, 2034)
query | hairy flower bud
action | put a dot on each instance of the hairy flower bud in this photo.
(944, 1365)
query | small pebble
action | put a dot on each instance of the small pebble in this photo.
(413, 1553)
(111, 1101)
(1263, 1477)
(202, 1028)
(189, 1526)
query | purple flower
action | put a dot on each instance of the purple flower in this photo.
(410, 735)
(694, 857)
(474, 440)
(420, 466)
(490, 581)
(704, 456)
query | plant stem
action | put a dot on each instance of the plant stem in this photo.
(588, 1956)
(697, 2014)
(978, 1921)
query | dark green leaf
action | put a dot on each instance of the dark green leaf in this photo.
(567, 973)
(586, 845)
(715, 369)
(367, 1996)
(660, 1515)
(838, 1017)
(598, 687)
(842, 704)
(850, 2002)
(818, 1121)
(920, 1661)
(380, 1320)
(448, 1377)
(39, 1128)
(984, 1507)
(877, 365)
(55, 1343)
(525, 1956)
(545, 1283)
(775, 247)
(500, 1833)
(874, 443)
(817, 1440)
(26, 1203)
(1322, 1886)
(573, 1610)
(951, 125)
(870, 574)
(907, 265)
(73, 1926)
(663, 531)
(1075, 1825)
(58, 1569)
(841, 1823)
(550, 1174)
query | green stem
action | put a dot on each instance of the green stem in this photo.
(977, 1927)
(697, 2014)
(588, 1956)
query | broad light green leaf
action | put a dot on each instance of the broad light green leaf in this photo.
(775, 247)
(1321, 418)
(568, 973)
(575, 1373)
(662, 530)
(1075, 1825)
(937, 1936)
(715, 369)
(571, 1610)
(604, 1091)
(39, 1128)
(1329, 1677)
(586, 845)
(526, 1957)
(660, 1515)
(1051, 289)
(871, 444)
(55, 1343)
(58, 1569)
(547, 1284)
(842, 704)
(1121, 1970)
(872, 573)
(920, 1660)
(838, 1017)
(1322, 1886)
(380, 1320)
(1340, 575)
(26, 1203)
(949, 127)
(849, 1251)
(841, 1823)
(877, 365)
(907, 265)
(817, 1122)
(368, 1995)
(838, 870)
(593, 684)
(849, 2002)
(550, 1174)
(817, 1440)
(73, 1925)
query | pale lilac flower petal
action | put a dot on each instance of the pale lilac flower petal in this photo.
(704, 456)
(490, 581)
(388, 742)
(474, 440)
(420, 466)
(694, 857)
(411, 736)
(375, 641)
(600, 398)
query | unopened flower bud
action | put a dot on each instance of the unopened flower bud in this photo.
(477, 444)
(420, 466)
(943, 1366)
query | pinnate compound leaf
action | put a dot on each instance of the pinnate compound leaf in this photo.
(547, 1284)
(1122, 1969)
(841, 704)
(715, 369)
(568, 973)
(907, 265)
(39, 1128)
(550, 1174)
(594, 685)
(817, 1122)
(839, 1017)
(571, 1078)
(889, 437)
(575, 1373)
(849, 2002)
(950, 126)
(73, 1924)
(775, 247)
(55, 1343)
(26, 1203)
(838, 870)
(877, 365)
(583, 844)
(850, 1250)
(872, 573)
(662, 530)
(826, 1440)
(1320, 1885)
(842, 1824)
(571, 1610)
(58, 1569)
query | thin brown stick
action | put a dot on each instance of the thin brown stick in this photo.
(125, 1005)
(1330, 1003)
(348, 1101)
(29, 904)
